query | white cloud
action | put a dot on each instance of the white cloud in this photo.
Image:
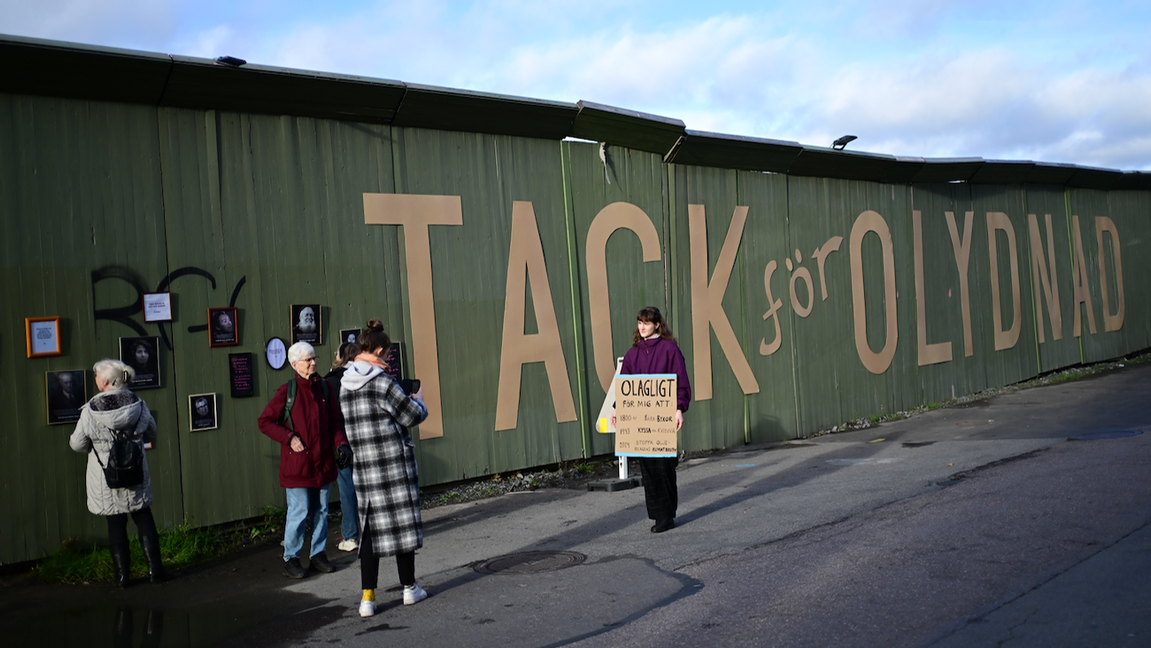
(140, 24)
(1067, 81)
(211, 43)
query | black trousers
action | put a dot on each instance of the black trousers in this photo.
(118, 525)
(659, 490)
(370, 563)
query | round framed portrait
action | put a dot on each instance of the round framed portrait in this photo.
(276, 352)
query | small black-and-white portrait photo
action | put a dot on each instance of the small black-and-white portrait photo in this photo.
(143, 355)
(67, 392)
(202, 410)
(306, 324)
(349, 336)
(223, 329)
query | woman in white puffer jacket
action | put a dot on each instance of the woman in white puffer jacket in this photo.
(117, 409)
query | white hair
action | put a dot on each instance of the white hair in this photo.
(115, 373)
(299, 351)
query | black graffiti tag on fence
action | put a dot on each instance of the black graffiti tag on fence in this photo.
(124, 314)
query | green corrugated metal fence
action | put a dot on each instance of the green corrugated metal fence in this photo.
(820, 319)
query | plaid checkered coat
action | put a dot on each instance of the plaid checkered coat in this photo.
(377, 414)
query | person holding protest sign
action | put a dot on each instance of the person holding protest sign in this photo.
(655, 351)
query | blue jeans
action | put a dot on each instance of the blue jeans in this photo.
(349, 526)
(305, 504)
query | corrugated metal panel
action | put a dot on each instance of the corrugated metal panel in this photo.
(444, 108)
(1131, 211)
(1098, 343)
(1016, 361)
(944, 329)
(470, 267)
(771, 412)
(700, 148)
(80, 194)
(723, 414)
(627, 128)
(848, 165)
(1053, 353)
(833, 385)
(637, 181)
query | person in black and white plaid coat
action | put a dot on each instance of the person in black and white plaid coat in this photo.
(377, 414)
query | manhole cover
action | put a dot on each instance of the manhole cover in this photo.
(970, 423)
(1106, 434)
(530, 562)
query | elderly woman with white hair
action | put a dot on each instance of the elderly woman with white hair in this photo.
(113, 412)
(304, 418)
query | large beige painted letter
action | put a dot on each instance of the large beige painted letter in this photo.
(1004, 339)
(962, 248)
(1046, 283)
(870, 221)
(707, 303)
(615, 216)
(415, 213)
(527, 253)
(1110, 322)
(1082, 288)
(928, 353)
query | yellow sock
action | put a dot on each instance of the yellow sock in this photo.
(370, 595)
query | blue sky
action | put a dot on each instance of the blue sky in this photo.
(1056, 81)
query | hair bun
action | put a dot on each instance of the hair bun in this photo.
(375, 325)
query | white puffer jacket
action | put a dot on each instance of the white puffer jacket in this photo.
(115, 410)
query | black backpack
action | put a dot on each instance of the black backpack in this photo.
(125, 466)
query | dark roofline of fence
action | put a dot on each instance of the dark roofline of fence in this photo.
(59, 69)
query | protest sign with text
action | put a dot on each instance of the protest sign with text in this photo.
(645, 415)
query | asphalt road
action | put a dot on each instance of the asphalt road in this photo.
(980, 525)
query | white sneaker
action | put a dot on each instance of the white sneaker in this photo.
(367, 608)
(414, 594)
(348, 545)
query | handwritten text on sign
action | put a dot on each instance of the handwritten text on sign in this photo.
(645, 415)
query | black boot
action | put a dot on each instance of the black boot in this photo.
(151, 544)
(122, 563)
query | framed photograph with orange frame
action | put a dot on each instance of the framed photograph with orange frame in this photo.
(43, 336)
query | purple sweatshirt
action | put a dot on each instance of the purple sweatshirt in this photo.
(660, 356)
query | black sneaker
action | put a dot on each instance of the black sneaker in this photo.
(293, 568)
(320, 563)
(663, 525)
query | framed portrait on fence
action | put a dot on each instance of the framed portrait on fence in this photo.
(349, 335)
(43, 336)
(202, 412)
(396, 361)
(306, 324)
(276, 353)
(242, 374)
(143, 355)
(223, 327)
(157, 307)
(67, 392)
